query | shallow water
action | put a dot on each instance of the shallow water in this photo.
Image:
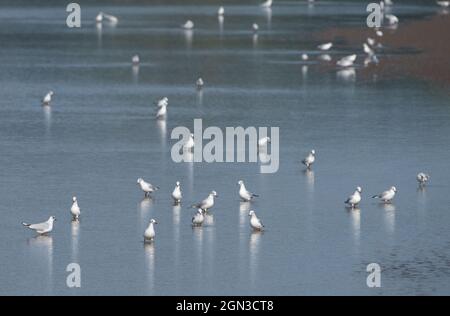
(100, 136)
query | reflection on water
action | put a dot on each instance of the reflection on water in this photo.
(41, 248)
(254, 248)
(244, 208)
(355, 217)
(188, 37)
(220, 19)
(200, 97)
(389, 216)
(268, 14)
(75, 229)
(255, 40)
(149, 253)
(162, 128)
(309, 175)
(135, 73)
(48, 118)
(99, 30)
(346, 74)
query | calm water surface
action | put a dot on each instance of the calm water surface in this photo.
(100, 136)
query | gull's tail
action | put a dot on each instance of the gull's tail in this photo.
(376, 196)
(26, 225)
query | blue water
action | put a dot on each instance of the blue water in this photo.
(100, 136)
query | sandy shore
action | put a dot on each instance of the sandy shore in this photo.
(419, 49)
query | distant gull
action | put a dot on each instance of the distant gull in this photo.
(135, 59)
(355, 198)
(207, 203)
(99, 17)
(110, 18)
(387, 196)
(422, 178)
(161, 112)
(198, 218)
(47, 98)
(255, 27)
(392, 19)
(305, 57)
(176, 193)
(163, 101)
(42, 228)
(75, 209)
(149, 233)
(309, 160)
(262, 142)
(267, 4)
(200, 83)
(325, 57)
(379, 33)
(189, 145)
(370, 41)
(346, 61)
(148, 188)
(188, 25)
(368, 50)
(221, 11)
(325, 46)
(245, 195)
(443, 4)
(255, 222)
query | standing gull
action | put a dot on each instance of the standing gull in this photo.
(325, 46)
(135, 60)
(149, 233)
(221, 11)
(245, 195)
(188, 25)
(99, 17)
(162, 111)
(163, 101)
(189, 145)
(255, 222)
(346, 61)
(309, 160)
(422, 178)
(75, 209)
(354, 199)
(198, 218)
(176, 193)
(255, 27)
(386, 196)
(207, 203)
(200, 83)
(42, 228)
(148, 188)
(267, 4)
(47, 98)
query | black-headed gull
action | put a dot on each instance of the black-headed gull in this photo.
(148, 188)
(422, 178)
(387, 195)
(245, 195)
(198, 218)
(149, 234)
(47, 98)
(325, 46)
(255, 222)
(188, 25)
(309, 160)
(75, 209)
(176, 193)
(207, 203)
(355, 198)
(42, 228)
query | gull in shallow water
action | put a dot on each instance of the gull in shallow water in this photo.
(325, 46)
(355, 198)
(161, 112)
(368, 50)
(305, 57)
(42, 228)
(198, 218)
(110, 18)
(346, 61)
(207, 203)
(188, 25)
(75, 209)
(391, 19)
(47, 98)
(267, 4)
(200, 83)
(262, 142)
(255, 222)
(148, 188)
(255, 27)
(422, 178)
(386, 196)
(245, 195)
(135, 59)
(99, 17)
(309, 160)
(379, 33)
(163, 101)
(149, 234)
(176, 193)
(189, 145)
(443, 4)
(221, 11)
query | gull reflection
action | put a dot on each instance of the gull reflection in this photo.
(355, 218)
(188, 36)
(325, 57)
(149, 252)
(268, 13)
(244, 208)
(255, 40)
(220, 20)
(309, 174)
(389, 216)
(144, 207)
(47, 117)
(209, 219)
(304, 72)
(346, 74)
(99, 28)
(254, 246)
(162, 128)
(200, 96)
(198, 241)
(135, 73)
(75, 229)
(42, 248)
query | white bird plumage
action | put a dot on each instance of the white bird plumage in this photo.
(309, 160)
(443, 4)
(325, 46)
(47, 98)
(221, 11)
(149, 233)
(42, 228)
(387, 196)
(355, 198)
(255, 222)
(188, 25)
(245, 195)
(75, 209)
(422, 178)
(346, 61)
(198, 218)
(147, 187)
(176, 193)
(207, 203)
